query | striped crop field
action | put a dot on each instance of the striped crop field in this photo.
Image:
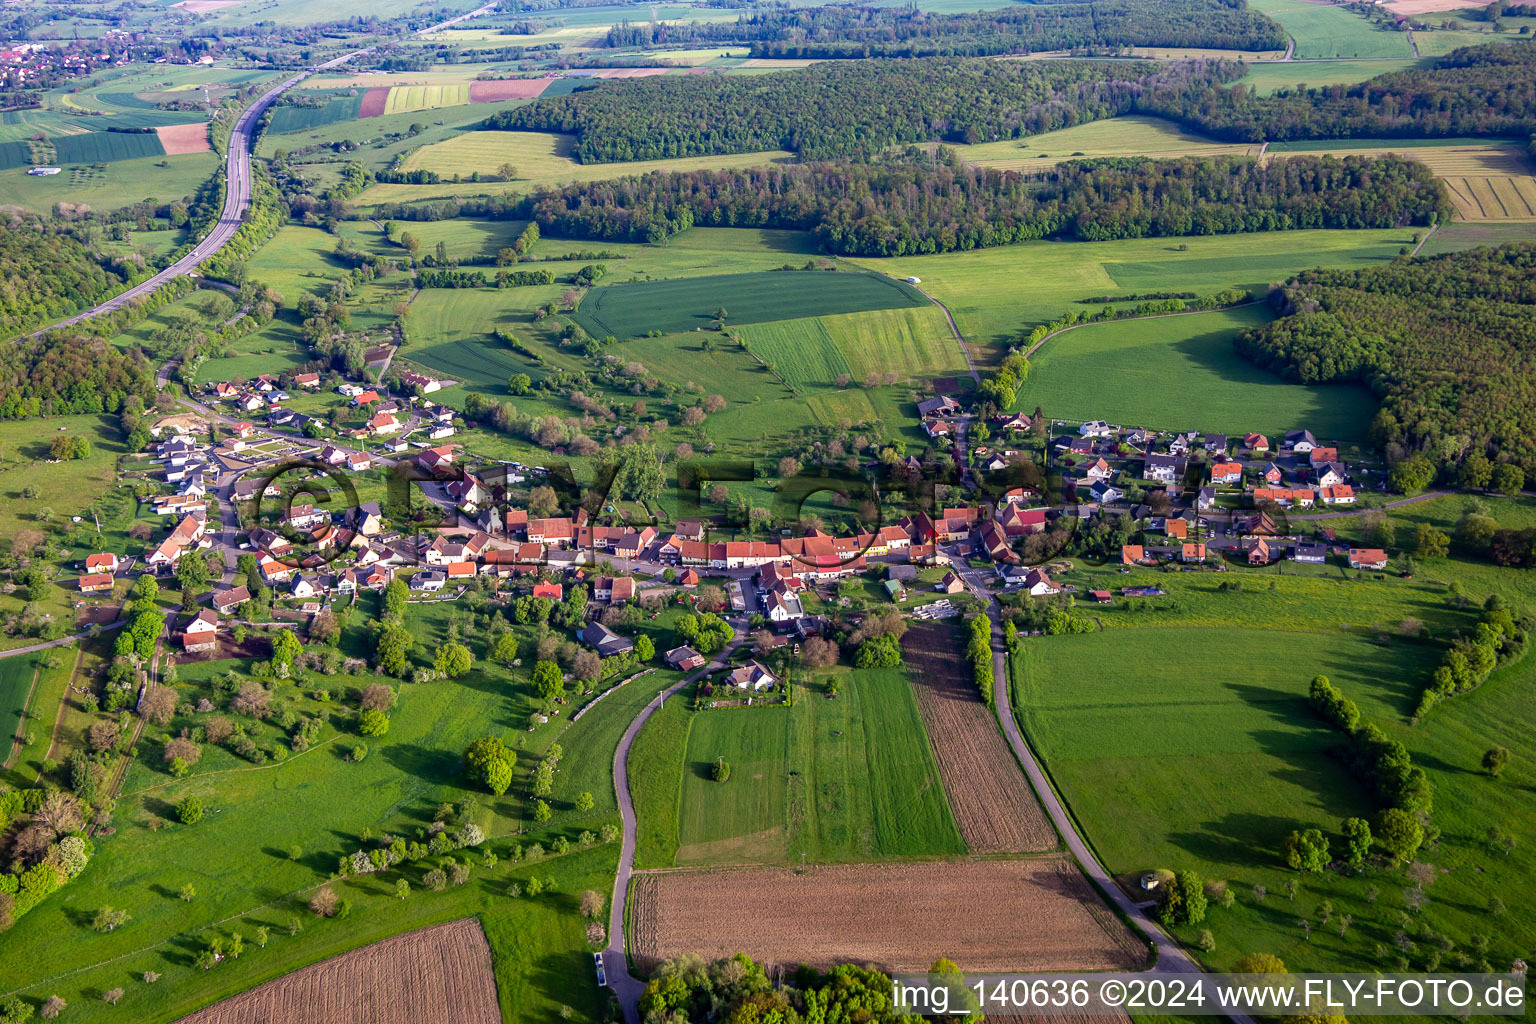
(1494, 198)
(914, 342)
(403, 98)
(800, 351)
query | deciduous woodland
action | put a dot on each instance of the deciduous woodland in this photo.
(853, 108)
(852, 31)
(1474, 91)
(917, 204)
(858, 108)
(48, 273)
(1445, 342)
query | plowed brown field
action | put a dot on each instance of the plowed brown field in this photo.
(374, 101)
(988, 793)
(441, 973)
(1033, 914)
(180, 139)
(507, 89)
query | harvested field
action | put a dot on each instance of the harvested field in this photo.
(988, 794)
(623, 73)
(1411, 8)
(437, 973)
(374, 102)
(900, 917)
(204, 6)
(507, 89)
(180, 139)
(1487, 198)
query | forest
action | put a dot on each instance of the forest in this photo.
(917, 202)
(854, 31)
(1445, 342)
(1474, 91)
(858, 108)
(847, 108)
(46, 273)
(62, 373)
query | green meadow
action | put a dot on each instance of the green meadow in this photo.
(107, 186)
(670, 306)
(1324, 30)
(828, 779)
(16, 675)
(273, 832)
(1266, 78)
(1203, 753)
(1183, 372)
(996, 293)
(813, 352)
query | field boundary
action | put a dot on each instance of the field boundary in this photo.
(69, 688)
(18, 741)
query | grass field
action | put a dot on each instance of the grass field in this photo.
(111, 185)
(1458, 236)
(287, 119)
(274, 831)
(1439, 42)
(1266, 78)
(800, 351)
(993, 293)
(542, 160)
(656, 763)
(681, 359)
(67, 488)
(1172, 371)
(43, 711)
(276, 348)
(832, 779)
(403, 98)
(16, 675)
(1191, 761)
(815, 351)
(630, 310)
(465, 238)
(1322, 30)
(1116, 136)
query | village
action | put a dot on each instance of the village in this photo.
(288, 511)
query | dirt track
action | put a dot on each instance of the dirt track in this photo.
(989, 796)
(1033, 914)
(442, 973)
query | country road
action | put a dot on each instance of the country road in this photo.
(626, 986)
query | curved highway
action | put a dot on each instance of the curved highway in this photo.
(237, 199)
(237, 184)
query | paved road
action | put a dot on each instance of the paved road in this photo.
(237, 199)
(237, 184)
(34, 648)
(626, 986)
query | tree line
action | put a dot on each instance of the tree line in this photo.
(919, 203)
(859, 31)
(1442, 341)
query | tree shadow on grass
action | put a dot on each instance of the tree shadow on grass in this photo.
(425, 763)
